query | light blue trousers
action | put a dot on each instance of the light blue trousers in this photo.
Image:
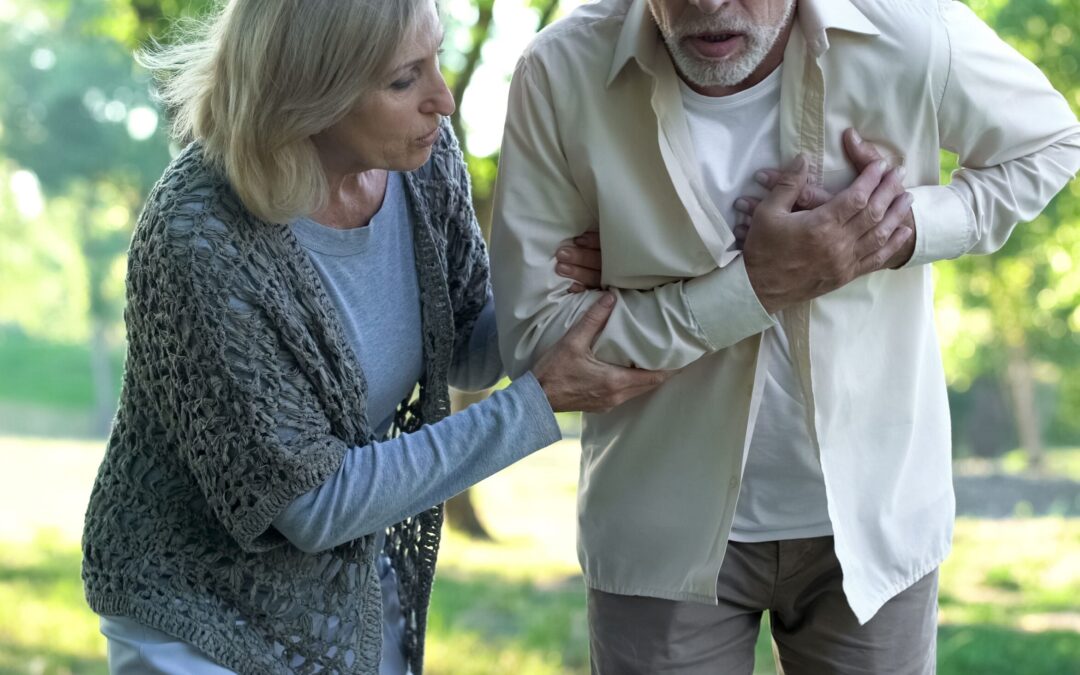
(135, 649)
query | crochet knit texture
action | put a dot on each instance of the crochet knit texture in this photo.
(240, 394)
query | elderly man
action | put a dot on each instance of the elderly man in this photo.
(800, 462)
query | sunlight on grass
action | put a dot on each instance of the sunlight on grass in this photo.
(45, 483)
(1003, 571)
(517, 605)
(45, 626)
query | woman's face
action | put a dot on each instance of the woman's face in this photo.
(395, 125)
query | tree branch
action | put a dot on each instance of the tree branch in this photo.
(547, 13)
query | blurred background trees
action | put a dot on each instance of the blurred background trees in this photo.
(82, 141)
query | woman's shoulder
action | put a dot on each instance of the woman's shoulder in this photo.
(192, 218)
(190, 185)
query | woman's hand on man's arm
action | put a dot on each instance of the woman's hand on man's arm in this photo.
(574, 379)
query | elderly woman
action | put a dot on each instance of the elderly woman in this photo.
(265, 504)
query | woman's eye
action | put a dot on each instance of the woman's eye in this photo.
(401, 85)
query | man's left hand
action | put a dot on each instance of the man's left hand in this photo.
(861, 153)
(581, 262)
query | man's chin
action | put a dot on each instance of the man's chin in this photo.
(707, 73)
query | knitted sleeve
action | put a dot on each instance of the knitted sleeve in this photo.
(468, 275)
(227, 356)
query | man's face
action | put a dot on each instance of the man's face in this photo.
(720, 43)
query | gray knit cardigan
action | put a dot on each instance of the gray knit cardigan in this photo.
(240, 394)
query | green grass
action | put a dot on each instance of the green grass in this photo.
(1009, 592)
(46, 373)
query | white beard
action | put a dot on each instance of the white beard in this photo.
(759, 39)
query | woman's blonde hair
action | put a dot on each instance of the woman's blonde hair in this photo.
(257, 79)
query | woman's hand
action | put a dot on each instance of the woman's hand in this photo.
(574, 379)
(581, 262)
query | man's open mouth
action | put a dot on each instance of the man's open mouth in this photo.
(717, 37)
(716, 45)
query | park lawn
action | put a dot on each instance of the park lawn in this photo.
(1008, 593)
(48, 374)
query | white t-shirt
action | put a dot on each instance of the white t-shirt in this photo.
(783, 491)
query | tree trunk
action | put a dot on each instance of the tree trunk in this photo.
(547, 13)
(460, 511)
(101, 376)
(1021, 383)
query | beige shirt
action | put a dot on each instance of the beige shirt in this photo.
(596, 138)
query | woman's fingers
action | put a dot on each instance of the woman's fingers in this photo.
(573, 379)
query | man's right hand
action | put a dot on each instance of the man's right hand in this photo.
(794, 256)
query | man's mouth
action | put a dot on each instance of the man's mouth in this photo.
(716, 45)
(717, 37)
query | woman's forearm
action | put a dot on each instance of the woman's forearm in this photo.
(383, 483)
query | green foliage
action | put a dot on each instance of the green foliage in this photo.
(78, 114)
(76, 108)
(1024, 299)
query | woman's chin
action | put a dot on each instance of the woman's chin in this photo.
(416, 159)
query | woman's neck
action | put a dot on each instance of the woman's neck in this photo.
(353, 200)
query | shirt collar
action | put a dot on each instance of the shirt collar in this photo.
(638, 38)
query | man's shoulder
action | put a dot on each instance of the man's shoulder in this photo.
(892, 15)
(909, 36)
(587, 35)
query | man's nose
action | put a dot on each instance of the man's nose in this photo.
(708, 6)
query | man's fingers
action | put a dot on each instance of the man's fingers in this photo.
(850, 201)
(860, 152)
(583, 333)
(590, 239)
(580, 257)
(811, 197)
(785, 193)
(740, 232)
(747, 205)
(878, 235)
(582, 276)
(877, 258)
(891, 187)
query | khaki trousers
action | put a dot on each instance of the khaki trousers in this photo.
(814, 631)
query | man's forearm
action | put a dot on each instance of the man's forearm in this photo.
(977, 211)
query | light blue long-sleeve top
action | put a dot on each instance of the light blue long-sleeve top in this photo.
(369, 274)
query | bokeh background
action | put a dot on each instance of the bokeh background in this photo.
(81, 142)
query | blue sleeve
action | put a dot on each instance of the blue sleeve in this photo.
(383, 483)
(477, 364)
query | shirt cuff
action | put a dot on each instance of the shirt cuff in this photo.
(542, 425)
(943, 224)
(725, 306)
